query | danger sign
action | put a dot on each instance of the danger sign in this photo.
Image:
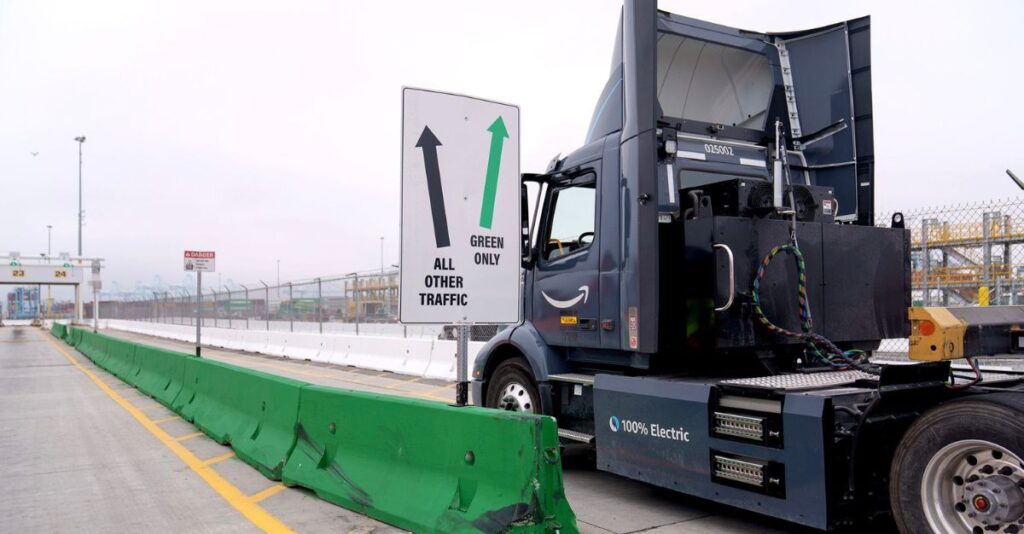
(200, 260)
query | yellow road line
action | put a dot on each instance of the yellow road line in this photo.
(402, 382)
(267, 493)
(166, 419)
(440, 389)
(187, 437)
(221, 458)
(234, 496)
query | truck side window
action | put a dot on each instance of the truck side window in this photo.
(572, 220)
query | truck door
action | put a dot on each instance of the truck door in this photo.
(828, 72)
(565, 298)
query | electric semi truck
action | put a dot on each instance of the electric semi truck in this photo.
(705, 282)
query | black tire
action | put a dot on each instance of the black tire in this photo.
(509, 372)
(998, 419)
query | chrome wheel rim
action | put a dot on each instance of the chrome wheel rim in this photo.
(515, 398)
(974, 486)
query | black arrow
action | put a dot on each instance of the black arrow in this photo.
(429, 143)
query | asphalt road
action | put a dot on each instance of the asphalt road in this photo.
(85, 452)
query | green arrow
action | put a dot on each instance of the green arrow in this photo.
(498, 136)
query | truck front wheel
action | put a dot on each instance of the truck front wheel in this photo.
(512, 388)
(959, 468)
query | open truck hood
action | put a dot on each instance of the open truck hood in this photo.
(722, 83)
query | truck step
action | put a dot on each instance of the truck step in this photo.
(575, 436)
(573, 378)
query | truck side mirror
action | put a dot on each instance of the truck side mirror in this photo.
(524, 215)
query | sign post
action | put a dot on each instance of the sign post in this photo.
(200, 261)
(461, 222)
(97, 285)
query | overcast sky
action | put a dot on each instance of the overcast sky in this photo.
(270, 130)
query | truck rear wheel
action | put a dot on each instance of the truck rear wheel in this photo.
(512, 388)
(960, 468)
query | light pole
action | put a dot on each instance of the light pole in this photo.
(382, 255)
(278, 279)
(80, 139)
(49, 293)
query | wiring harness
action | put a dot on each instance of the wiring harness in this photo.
(818, 345)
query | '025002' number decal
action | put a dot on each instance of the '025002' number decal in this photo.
(718, 149)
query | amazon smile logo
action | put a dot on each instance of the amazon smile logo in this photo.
(563, 304)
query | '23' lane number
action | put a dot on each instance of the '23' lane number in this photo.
(718, 149)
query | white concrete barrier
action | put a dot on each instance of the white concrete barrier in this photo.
(277, 343)
(417, 356)
(305, 346)
(252, 340)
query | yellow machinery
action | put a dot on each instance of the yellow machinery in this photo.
(949, 333)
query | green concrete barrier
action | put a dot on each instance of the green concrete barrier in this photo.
(58, 330)
(254, 412)
(74, 336)
(430, 467)
(158, 373)
(423, 466)
(120, 358)
(93, 345)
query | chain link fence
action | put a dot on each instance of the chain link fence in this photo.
(364, 303)
(965, 255)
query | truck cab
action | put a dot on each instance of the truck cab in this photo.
(708, 147)
(704, 281)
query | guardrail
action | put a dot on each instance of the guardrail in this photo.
(419, 465)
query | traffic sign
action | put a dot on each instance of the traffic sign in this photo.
(461, 225)
(200, 260)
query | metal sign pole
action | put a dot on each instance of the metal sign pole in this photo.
(199, 310)
(462, 366)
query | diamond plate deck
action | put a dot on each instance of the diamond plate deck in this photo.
(802, 381)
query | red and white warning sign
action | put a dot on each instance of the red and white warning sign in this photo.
(200, 260)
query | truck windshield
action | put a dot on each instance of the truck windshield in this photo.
(708, 82)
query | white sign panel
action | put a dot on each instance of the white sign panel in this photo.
(461, 234)
(200, 260)
(58, 273)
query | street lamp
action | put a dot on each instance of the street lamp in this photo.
(49, 292)
(80, 139)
